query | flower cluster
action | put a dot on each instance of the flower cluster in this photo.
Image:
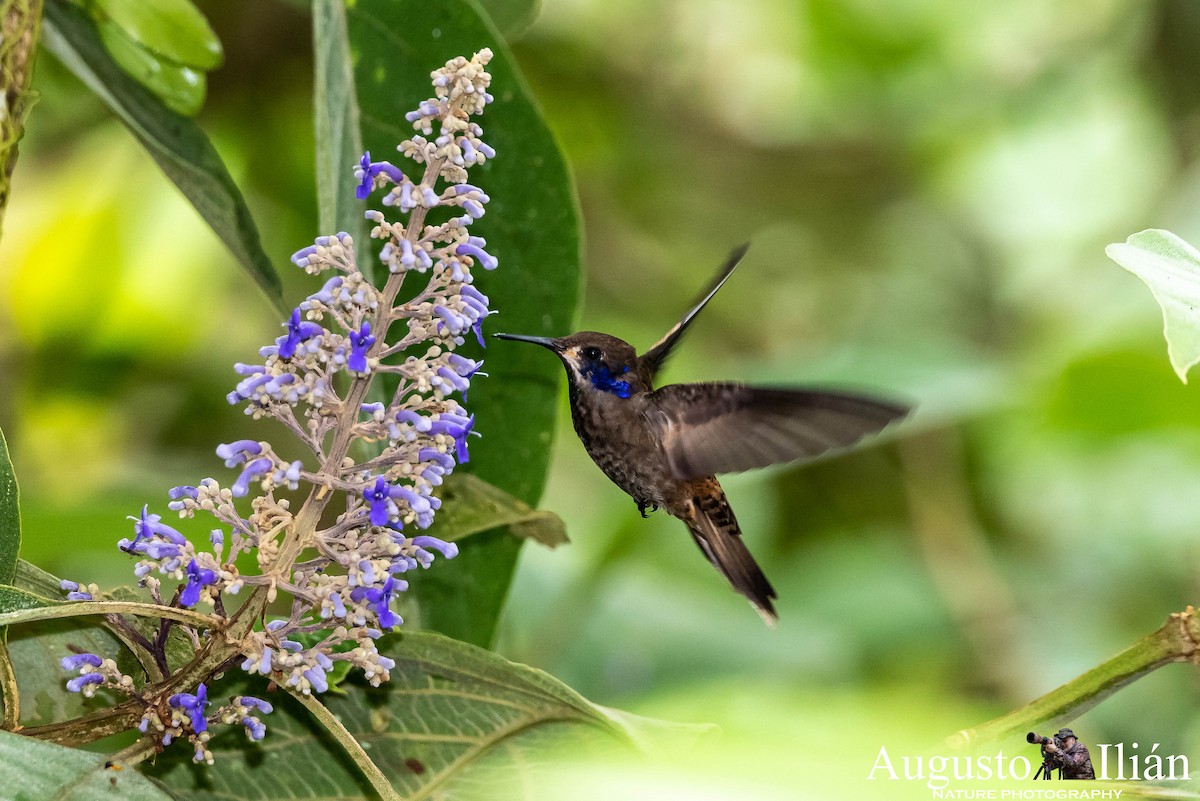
(184, 716)
(381, 452)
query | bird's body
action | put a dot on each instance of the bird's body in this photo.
(664, 447)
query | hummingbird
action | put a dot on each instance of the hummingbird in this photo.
(664, 446)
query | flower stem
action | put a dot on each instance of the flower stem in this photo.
(309, 516)
(1177, 641)
(129, 756)
(89, 728)
(82, 608)
(352, 747)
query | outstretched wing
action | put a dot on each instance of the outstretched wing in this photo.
(726, 428)
(650, 362)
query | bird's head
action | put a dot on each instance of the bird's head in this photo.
(594, 361)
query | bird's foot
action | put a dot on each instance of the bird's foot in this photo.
(642, 507)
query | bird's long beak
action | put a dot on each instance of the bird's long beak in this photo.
(546, 342)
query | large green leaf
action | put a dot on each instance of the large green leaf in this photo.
(1171, 268)
(471, 505)
(13, 599)
(532, 227)
(10, 547)
(172, 29)
(33, 579)
(455, 722)
(176, 143)
(181, 88)
(32, 770)
(10, 516)
(338, 139)
(36, 650)
(441, 598)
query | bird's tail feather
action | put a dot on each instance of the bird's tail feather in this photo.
(716, 531)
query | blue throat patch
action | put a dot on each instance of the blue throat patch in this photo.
(603, 380)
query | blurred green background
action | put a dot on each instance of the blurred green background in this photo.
(928, 188)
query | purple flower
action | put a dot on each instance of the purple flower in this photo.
(251, 702)
(148, 526)
(369, 170)
(458, 427)
(302, 256)
(234, 453)
(76, 661)
(474, 300)
(256, 376)
(379, 501)
(360, 342)
(316, 677)
(423, 506)
(255, 729)
(297, 331)
(417, 421)
(410, 258)
(179, 495)
(447, 549)
(253, 470)
(435, 457)
(197, 578)
(453, 380)
(326, 294)
(77, 684)
(380, 599)
(193, 705)
(73, 591)
(155, 550)
(262, 664)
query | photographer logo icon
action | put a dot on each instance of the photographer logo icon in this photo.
(1064, 753)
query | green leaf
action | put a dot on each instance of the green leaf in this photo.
(449, 597)
(10, 516)
(14, 600)
(176, 143)
(32, 578)
(32, 770)
(512, 17)
(10, 547)
(531, 226)
(455, 721)
(471, 505)
(171, 29)
(36, 651)
(1171, 268)
(181, 88)
(338, 139)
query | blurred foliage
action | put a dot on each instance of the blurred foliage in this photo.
(928, 187)
(166, 45)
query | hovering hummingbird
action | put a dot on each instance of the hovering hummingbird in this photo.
(664, 446)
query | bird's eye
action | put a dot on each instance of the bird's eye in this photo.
(592, 354)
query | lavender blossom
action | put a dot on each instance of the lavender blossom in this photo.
(342, 591)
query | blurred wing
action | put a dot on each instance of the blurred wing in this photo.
(652, 360)
(726, 428)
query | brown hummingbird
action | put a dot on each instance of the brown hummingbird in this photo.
(664, 446)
